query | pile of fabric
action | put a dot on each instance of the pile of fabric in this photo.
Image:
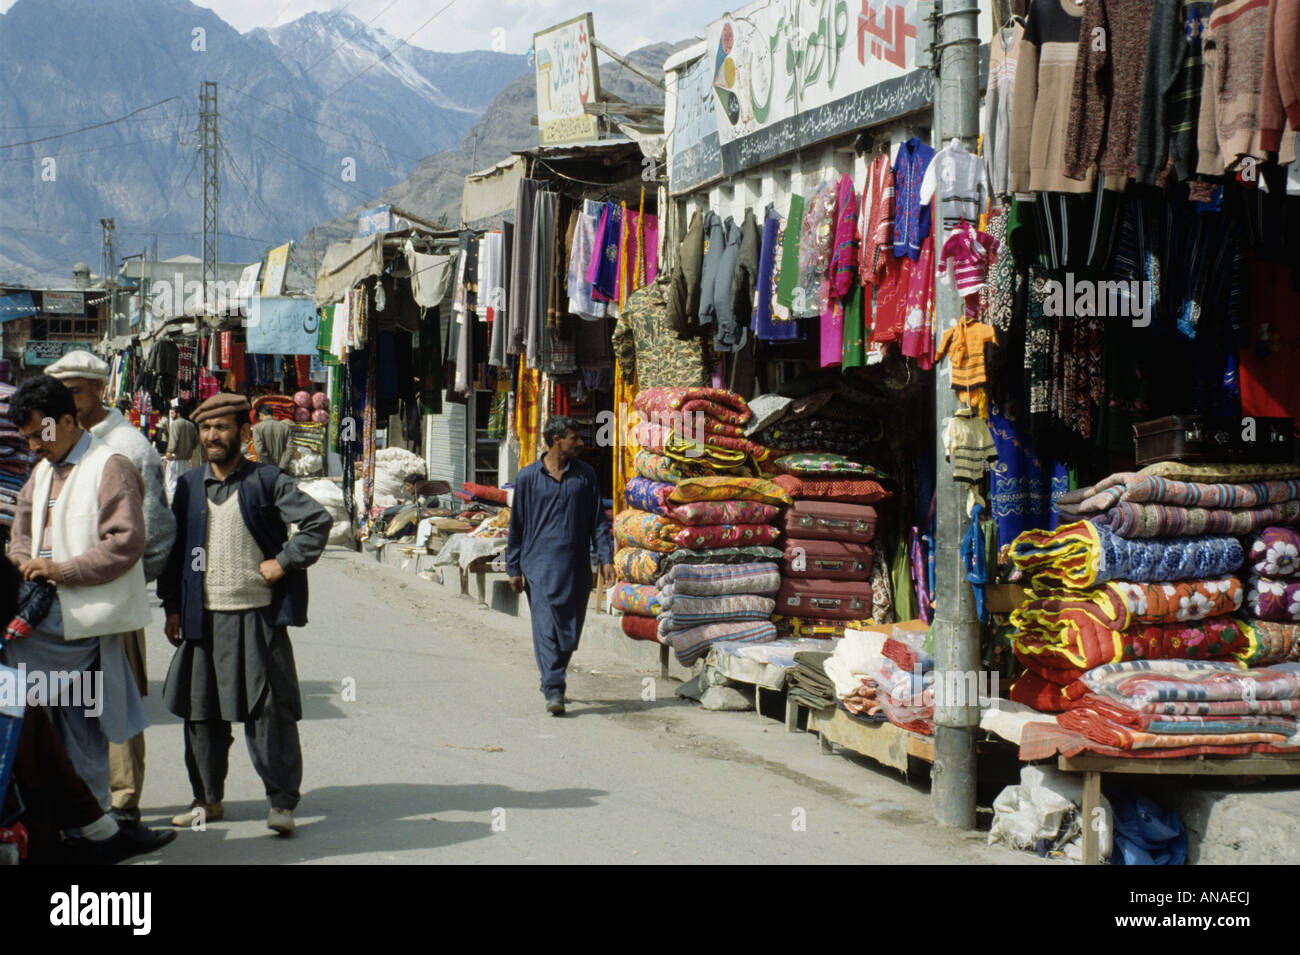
(1095, 599)
(808, 684)
(695, 558)
(1181, 705)
(882, 674)
(282, 407)
(15, 460)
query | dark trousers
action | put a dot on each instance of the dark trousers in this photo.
(272, 736)
(551, 663)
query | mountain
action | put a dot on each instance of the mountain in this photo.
(314, 117)
(433, 190)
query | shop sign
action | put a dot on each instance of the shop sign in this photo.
(567, 80)
(277, 263)
(791, 73)
(39, 353)
(282, 326)
(697, 155)
(63, 303)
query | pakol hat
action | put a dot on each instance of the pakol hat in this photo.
(219, 405)
(79, 364)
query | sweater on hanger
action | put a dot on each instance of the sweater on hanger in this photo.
(1281, 85)
(1041, 104)
(1171, 89)
(1106, 99)
(1230, 93)
(958, 177)
(1003, 53)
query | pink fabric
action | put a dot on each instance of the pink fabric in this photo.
(918, 307)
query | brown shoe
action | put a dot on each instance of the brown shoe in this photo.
(199, 810)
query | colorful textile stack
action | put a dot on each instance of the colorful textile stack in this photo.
(15, 460)
(282, 407)
(1179, 705)
(691, 507)
(1096, 599)
(1272, 603)
(704, 604)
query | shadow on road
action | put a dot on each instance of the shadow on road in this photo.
(385, 818)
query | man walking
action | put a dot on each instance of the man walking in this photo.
(182, 446)
(79, 529)
(555, 520)
(234, 583)
(86, 376)
(272, 440)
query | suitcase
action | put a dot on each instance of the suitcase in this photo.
(828, 521)
(827, 599)
(826, 560)
(1250, 440)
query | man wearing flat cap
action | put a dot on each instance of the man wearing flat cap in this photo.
(86, 376)
(234, 582)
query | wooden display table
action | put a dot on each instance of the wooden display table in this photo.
(884, 742)
(1092, 768)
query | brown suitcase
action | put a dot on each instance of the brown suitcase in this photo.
(828, 521)
(827, 560)
(1194, 438)
(827, 599)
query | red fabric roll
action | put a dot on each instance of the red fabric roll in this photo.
(641, 628)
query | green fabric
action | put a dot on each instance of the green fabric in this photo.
(853, 352)
(324, 333)
(900, 573)
(336, 401)
(790, 253)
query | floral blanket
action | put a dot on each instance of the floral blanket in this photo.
(711, 536)
(1274, 552)
(642, 529)
(1273, 598)
(637, 565)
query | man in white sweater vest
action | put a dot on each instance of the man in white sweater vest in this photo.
(86, 376)
(79, 525)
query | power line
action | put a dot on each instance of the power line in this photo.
(320, 174)
(84, 129)
(93, 149)
(405, 40)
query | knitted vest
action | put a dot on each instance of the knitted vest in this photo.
(232, 581)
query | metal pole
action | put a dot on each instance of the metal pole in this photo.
(956, 627)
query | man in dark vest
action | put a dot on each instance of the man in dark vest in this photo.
(234, 583)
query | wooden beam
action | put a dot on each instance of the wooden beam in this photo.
(623, 61)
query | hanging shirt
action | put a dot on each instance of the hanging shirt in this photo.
(958, 177)
(911, 215)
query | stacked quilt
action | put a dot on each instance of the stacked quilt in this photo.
(704, 604)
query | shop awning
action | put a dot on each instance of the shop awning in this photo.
(346, 264)
(491, 192)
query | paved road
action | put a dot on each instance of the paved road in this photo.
(425, 741)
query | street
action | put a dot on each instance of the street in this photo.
(425, 741)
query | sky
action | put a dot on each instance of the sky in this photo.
(505, 25)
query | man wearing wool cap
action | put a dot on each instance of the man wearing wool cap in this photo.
(234, 582)
(86, 376)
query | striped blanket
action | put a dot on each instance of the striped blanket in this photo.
(685, 612)
(719, 580)
(690, 645)
(1129, 519)
(1139, 682)
(1149, 489)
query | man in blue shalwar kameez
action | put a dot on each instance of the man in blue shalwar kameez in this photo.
(555, 519)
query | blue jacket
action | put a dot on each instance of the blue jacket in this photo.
(180, 587)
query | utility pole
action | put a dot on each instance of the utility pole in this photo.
(110, 275)
(208, 122)
(955, 61)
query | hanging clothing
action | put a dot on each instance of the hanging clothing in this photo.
(911, 215)
(957, 177)
(687, 274)
(1021, 483)
(788, 262)
(918, 323)
(581, 302)
(876, 219)
(816, 238)
(1233, 52)
(1003, 57)
(761, 321)
(841, 272)
(521, 265)
(1171, 90)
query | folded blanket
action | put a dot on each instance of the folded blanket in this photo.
(844, 491)
(640, 628)
(649, 496)
(640, 599)
(1275, 642)
(660, 467)
(675, 443)
(1232, 473)
(636, 565)
(720, 488)
(723, 405)
(1085, 554)
(642, 529)
(1128, 519)
(690, 645)
(724, 512)
(1075, 638)
(1153, 681)
(1151, 489)
(1032, 689)
(717, 580)
(1269, 598)
(1120, 715)
(1274, 552)
(686, 612)
(1121, 604)
(1095, 726)
(726, 535)
(722, 555)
